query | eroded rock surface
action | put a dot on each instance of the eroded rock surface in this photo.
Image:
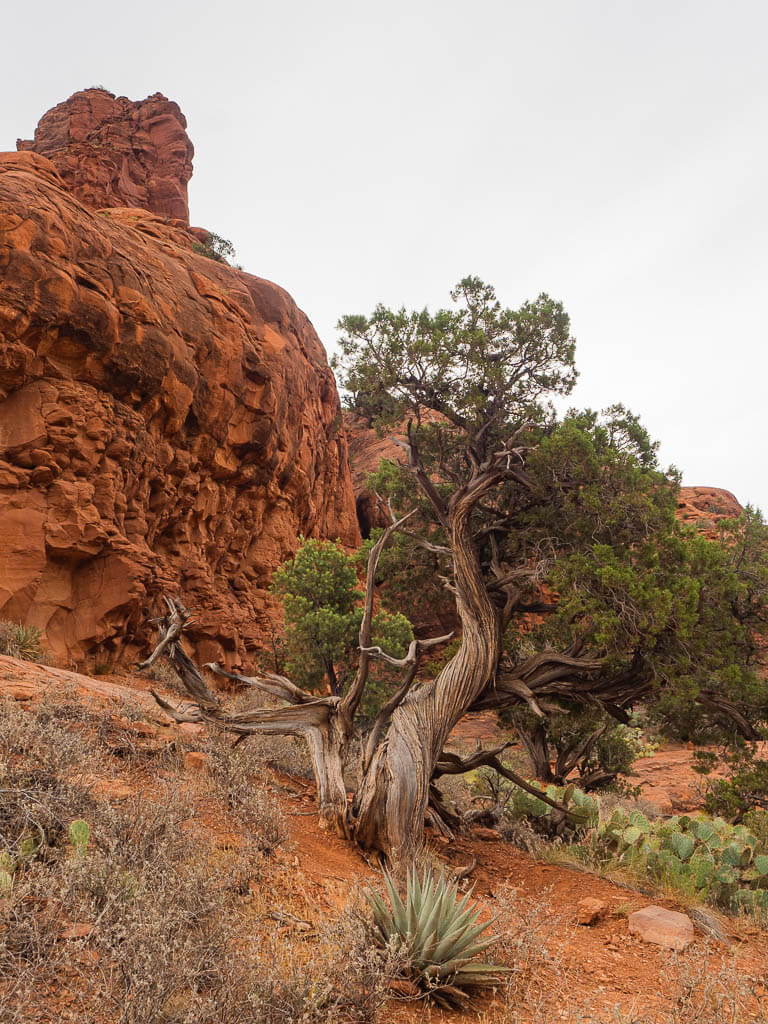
(702, 507)
(111, 151)
(166, 423)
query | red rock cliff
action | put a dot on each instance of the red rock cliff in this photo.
(166, 422)
(111, 151)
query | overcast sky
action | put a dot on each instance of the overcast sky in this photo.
(613, 154)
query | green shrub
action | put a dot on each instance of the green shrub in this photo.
(519, 805)
(437, 936)
(215, 248)
(585, 744)
(25, 642)
(745, 787)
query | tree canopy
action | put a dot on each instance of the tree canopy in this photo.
(555, 539)
(578, 541)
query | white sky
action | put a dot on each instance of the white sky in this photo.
(611, 153)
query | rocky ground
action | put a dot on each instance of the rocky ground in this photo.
(564, 970)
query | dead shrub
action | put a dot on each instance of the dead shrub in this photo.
(239, 781)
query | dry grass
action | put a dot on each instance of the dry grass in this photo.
(171, 928)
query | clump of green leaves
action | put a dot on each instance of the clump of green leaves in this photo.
(323, 610)
(706, 857)
(520, 805)
(582, 743)
(25, 642)
(437, 936)
(79, 834)
(745, 787)
(215, 248)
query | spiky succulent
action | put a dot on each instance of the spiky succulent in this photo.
(437, 934)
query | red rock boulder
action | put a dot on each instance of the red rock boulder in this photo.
(167, 423)
(111, 151)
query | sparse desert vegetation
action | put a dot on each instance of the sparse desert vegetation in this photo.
(384, 689)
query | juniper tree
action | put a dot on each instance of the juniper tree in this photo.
(556, 541)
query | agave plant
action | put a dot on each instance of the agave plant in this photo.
(437, 935)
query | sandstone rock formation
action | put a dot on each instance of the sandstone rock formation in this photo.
(111, 151)
(166, 423)
(702, 507)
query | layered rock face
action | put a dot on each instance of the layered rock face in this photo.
(167, 423)
(111, 151)
(702, 507)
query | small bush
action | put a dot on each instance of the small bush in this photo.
(25, 642)
(744, 788)
(238, 786)
(215, 248)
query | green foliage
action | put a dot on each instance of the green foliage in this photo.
(25, 642)
(583, 522)
(581, 740)
(436, 934)
(520, 805)
(406, 574)
(703, 857)
(322, 603)
(757, 823)
(467, 363)
(215, 248)
(745, 787)
(79, 834)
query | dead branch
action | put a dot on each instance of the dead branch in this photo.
(351, 700)
(270, 682)
(451, 764)
(416, 648)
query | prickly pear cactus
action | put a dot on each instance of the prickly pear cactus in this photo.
(79, 834)
(704, 856)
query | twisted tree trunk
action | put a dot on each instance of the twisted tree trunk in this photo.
(392, 801)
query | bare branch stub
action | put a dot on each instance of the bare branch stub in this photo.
(352, 698)
(452, 764)
(271, 683)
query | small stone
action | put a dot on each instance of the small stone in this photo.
(667, 928)
(590, 910)
(489, 835)
(195, 760)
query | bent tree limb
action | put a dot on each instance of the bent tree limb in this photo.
(311, 717)
(326, 723)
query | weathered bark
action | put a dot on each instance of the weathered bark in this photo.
(316, 719)
(394, 794)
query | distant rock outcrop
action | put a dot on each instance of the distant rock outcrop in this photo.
(702, 507)
(166, 422)
(110, 151)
